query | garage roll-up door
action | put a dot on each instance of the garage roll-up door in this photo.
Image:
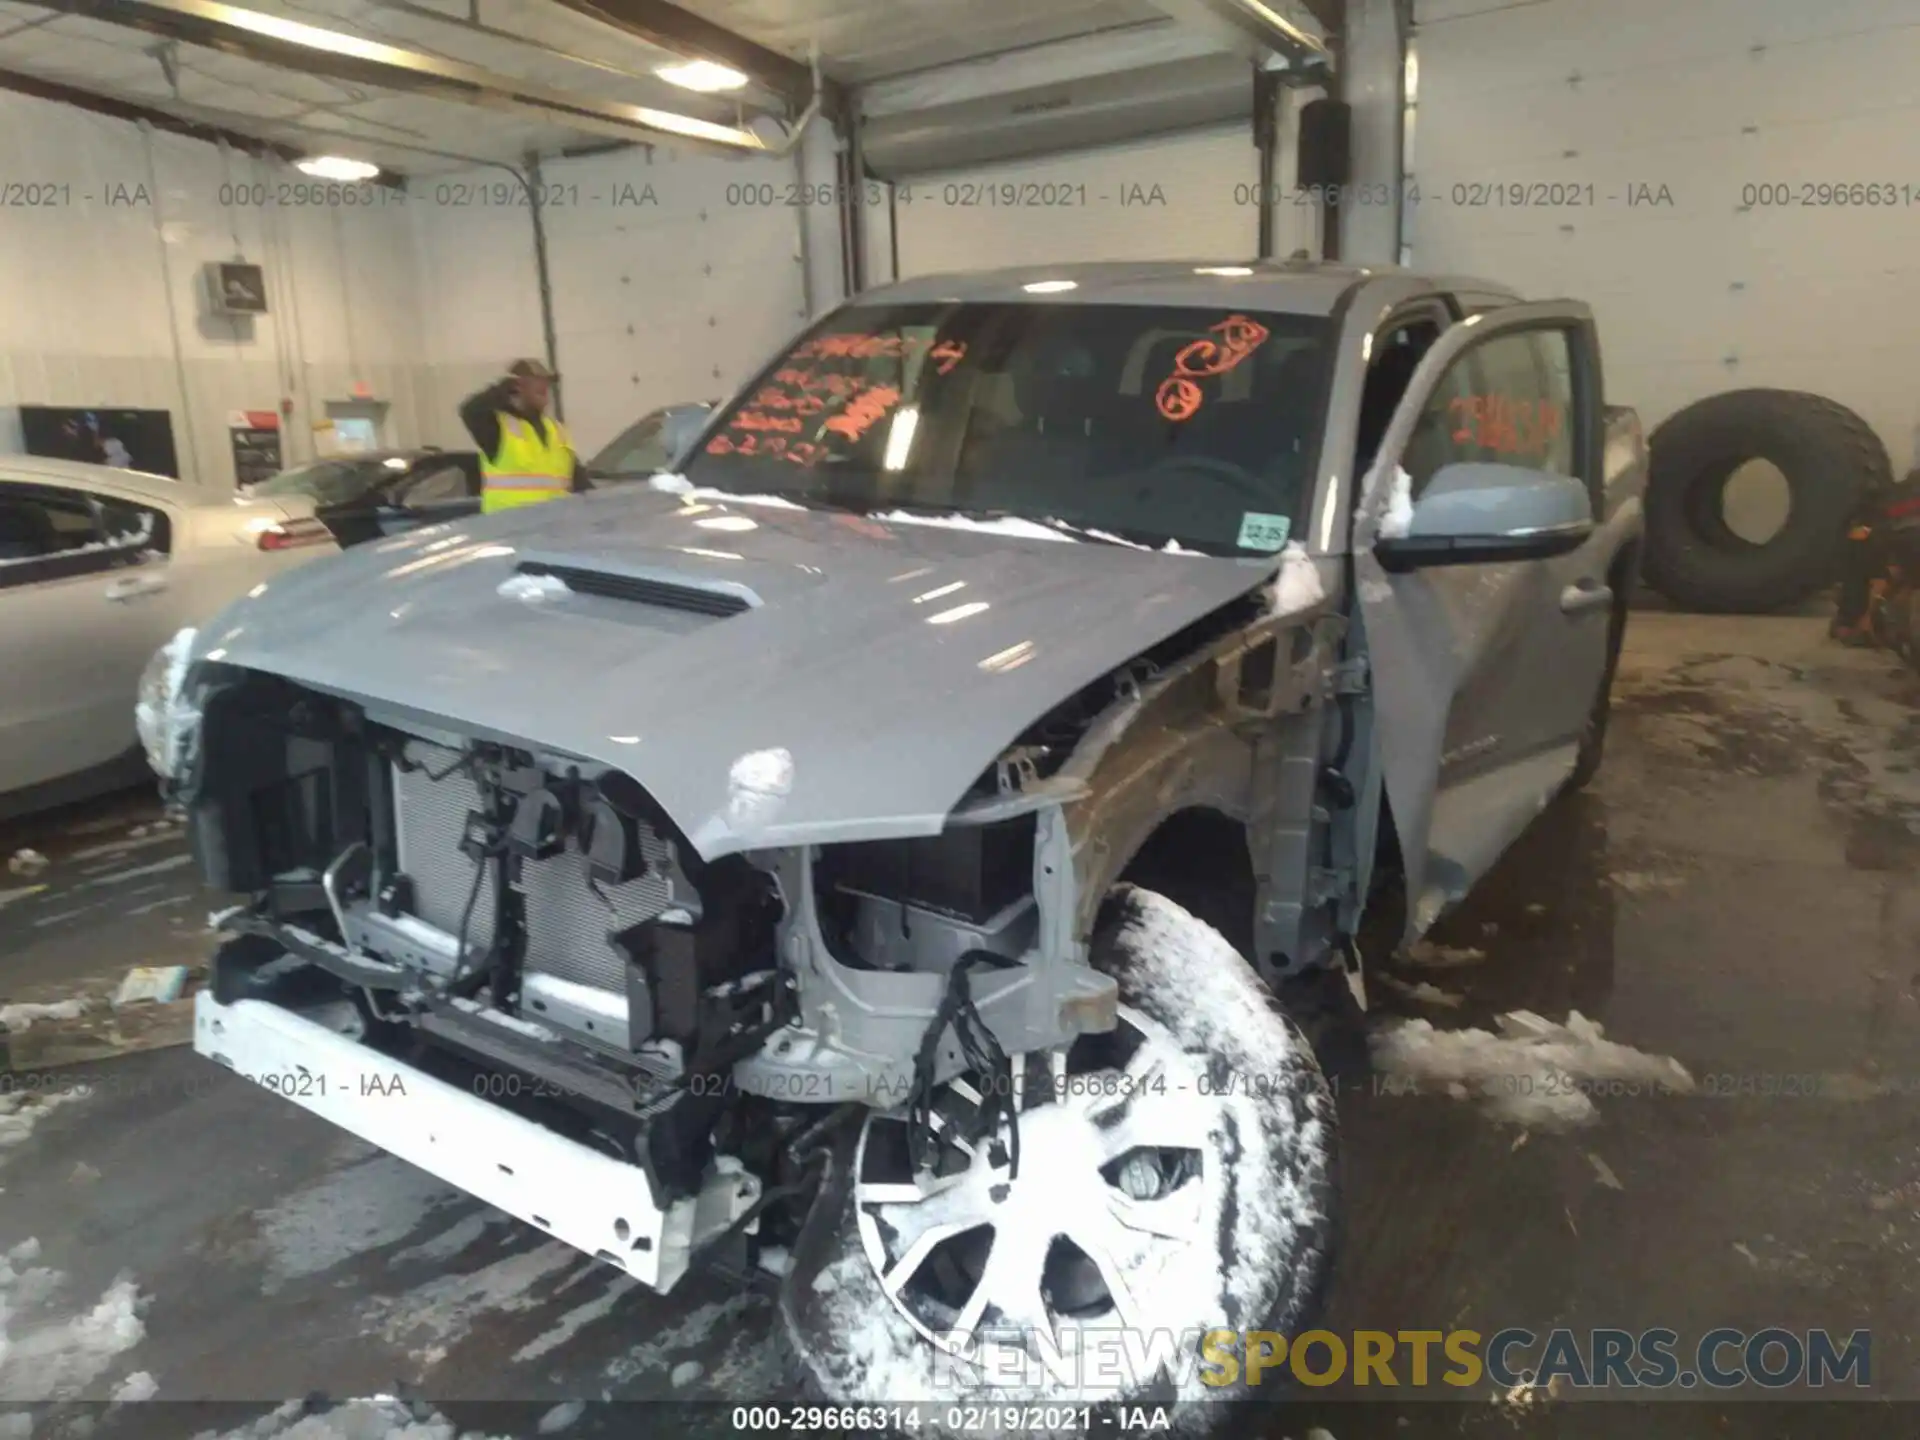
(1734, 186)
(1192, 195)
(672, 279)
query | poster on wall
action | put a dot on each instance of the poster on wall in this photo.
(128, 439)
(255, 436)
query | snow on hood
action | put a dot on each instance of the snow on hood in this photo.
(998, 525)
(668, 483)
(1297, 587)
(533, 587)
(1529, 1073)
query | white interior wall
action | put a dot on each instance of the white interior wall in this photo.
(479, 290)
(1701, 295)
(103, 297)
(673, 276)
(1189, 196)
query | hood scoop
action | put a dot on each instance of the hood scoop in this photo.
(641, 585)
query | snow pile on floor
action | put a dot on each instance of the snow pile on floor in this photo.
(21, 1110)
(380, 1417)
(20, 1016)
(1532, 1073)
(53, 1357)
(1297, 586)
(136, 1387)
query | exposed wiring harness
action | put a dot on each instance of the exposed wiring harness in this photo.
(982, 1053)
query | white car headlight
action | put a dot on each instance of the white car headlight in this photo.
(166, 722)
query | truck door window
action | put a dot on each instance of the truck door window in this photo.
(1508, 401)
(1395, 359)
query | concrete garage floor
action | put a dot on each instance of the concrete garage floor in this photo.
(1741, 891)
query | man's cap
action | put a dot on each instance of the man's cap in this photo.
(530, 370)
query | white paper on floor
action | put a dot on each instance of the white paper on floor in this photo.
(1532, 1073)
(55, 1351)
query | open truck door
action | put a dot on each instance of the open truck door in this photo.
(1482, 588)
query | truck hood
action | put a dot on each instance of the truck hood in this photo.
(871, 673)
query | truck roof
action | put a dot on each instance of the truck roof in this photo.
(1295, 287)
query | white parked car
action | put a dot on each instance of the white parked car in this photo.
(98, 566)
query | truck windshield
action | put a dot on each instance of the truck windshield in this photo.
(1139, 423)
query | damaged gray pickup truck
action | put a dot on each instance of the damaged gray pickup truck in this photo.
(873, 852)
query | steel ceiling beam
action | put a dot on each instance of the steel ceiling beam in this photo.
(1265, 26)
(293, 45)
(668, 27)
(138, 114)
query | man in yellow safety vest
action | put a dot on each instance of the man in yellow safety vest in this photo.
(525, 454)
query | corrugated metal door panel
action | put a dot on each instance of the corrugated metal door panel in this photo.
(669, 280)
(1183, 196)
(1710, 287)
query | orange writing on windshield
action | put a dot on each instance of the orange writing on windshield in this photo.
(946, 354)
(863, 410)
(1506, 424)
(1178, 397)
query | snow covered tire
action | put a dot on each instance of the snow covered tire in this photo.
(1204, 1204)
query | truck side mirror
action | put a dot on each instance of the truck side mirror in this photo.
(1476, 511)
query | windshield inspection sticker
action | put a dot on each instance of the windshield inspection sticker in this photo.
(1263, 532)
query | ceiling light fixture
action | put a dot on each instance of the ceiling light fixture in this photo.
(336, 167)
(702, 75)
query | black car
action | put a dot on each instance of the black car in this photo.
(379, 492)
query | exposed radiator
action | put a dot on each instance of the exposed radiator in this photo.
(567, 922)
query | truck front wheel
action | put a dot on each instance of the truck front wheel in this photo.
(1174, 1178)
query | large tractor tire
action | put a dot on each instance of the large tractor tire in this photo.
(1830, 458)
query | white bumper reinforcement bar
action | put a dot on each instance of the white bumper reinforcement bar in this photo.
(592, 1201)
